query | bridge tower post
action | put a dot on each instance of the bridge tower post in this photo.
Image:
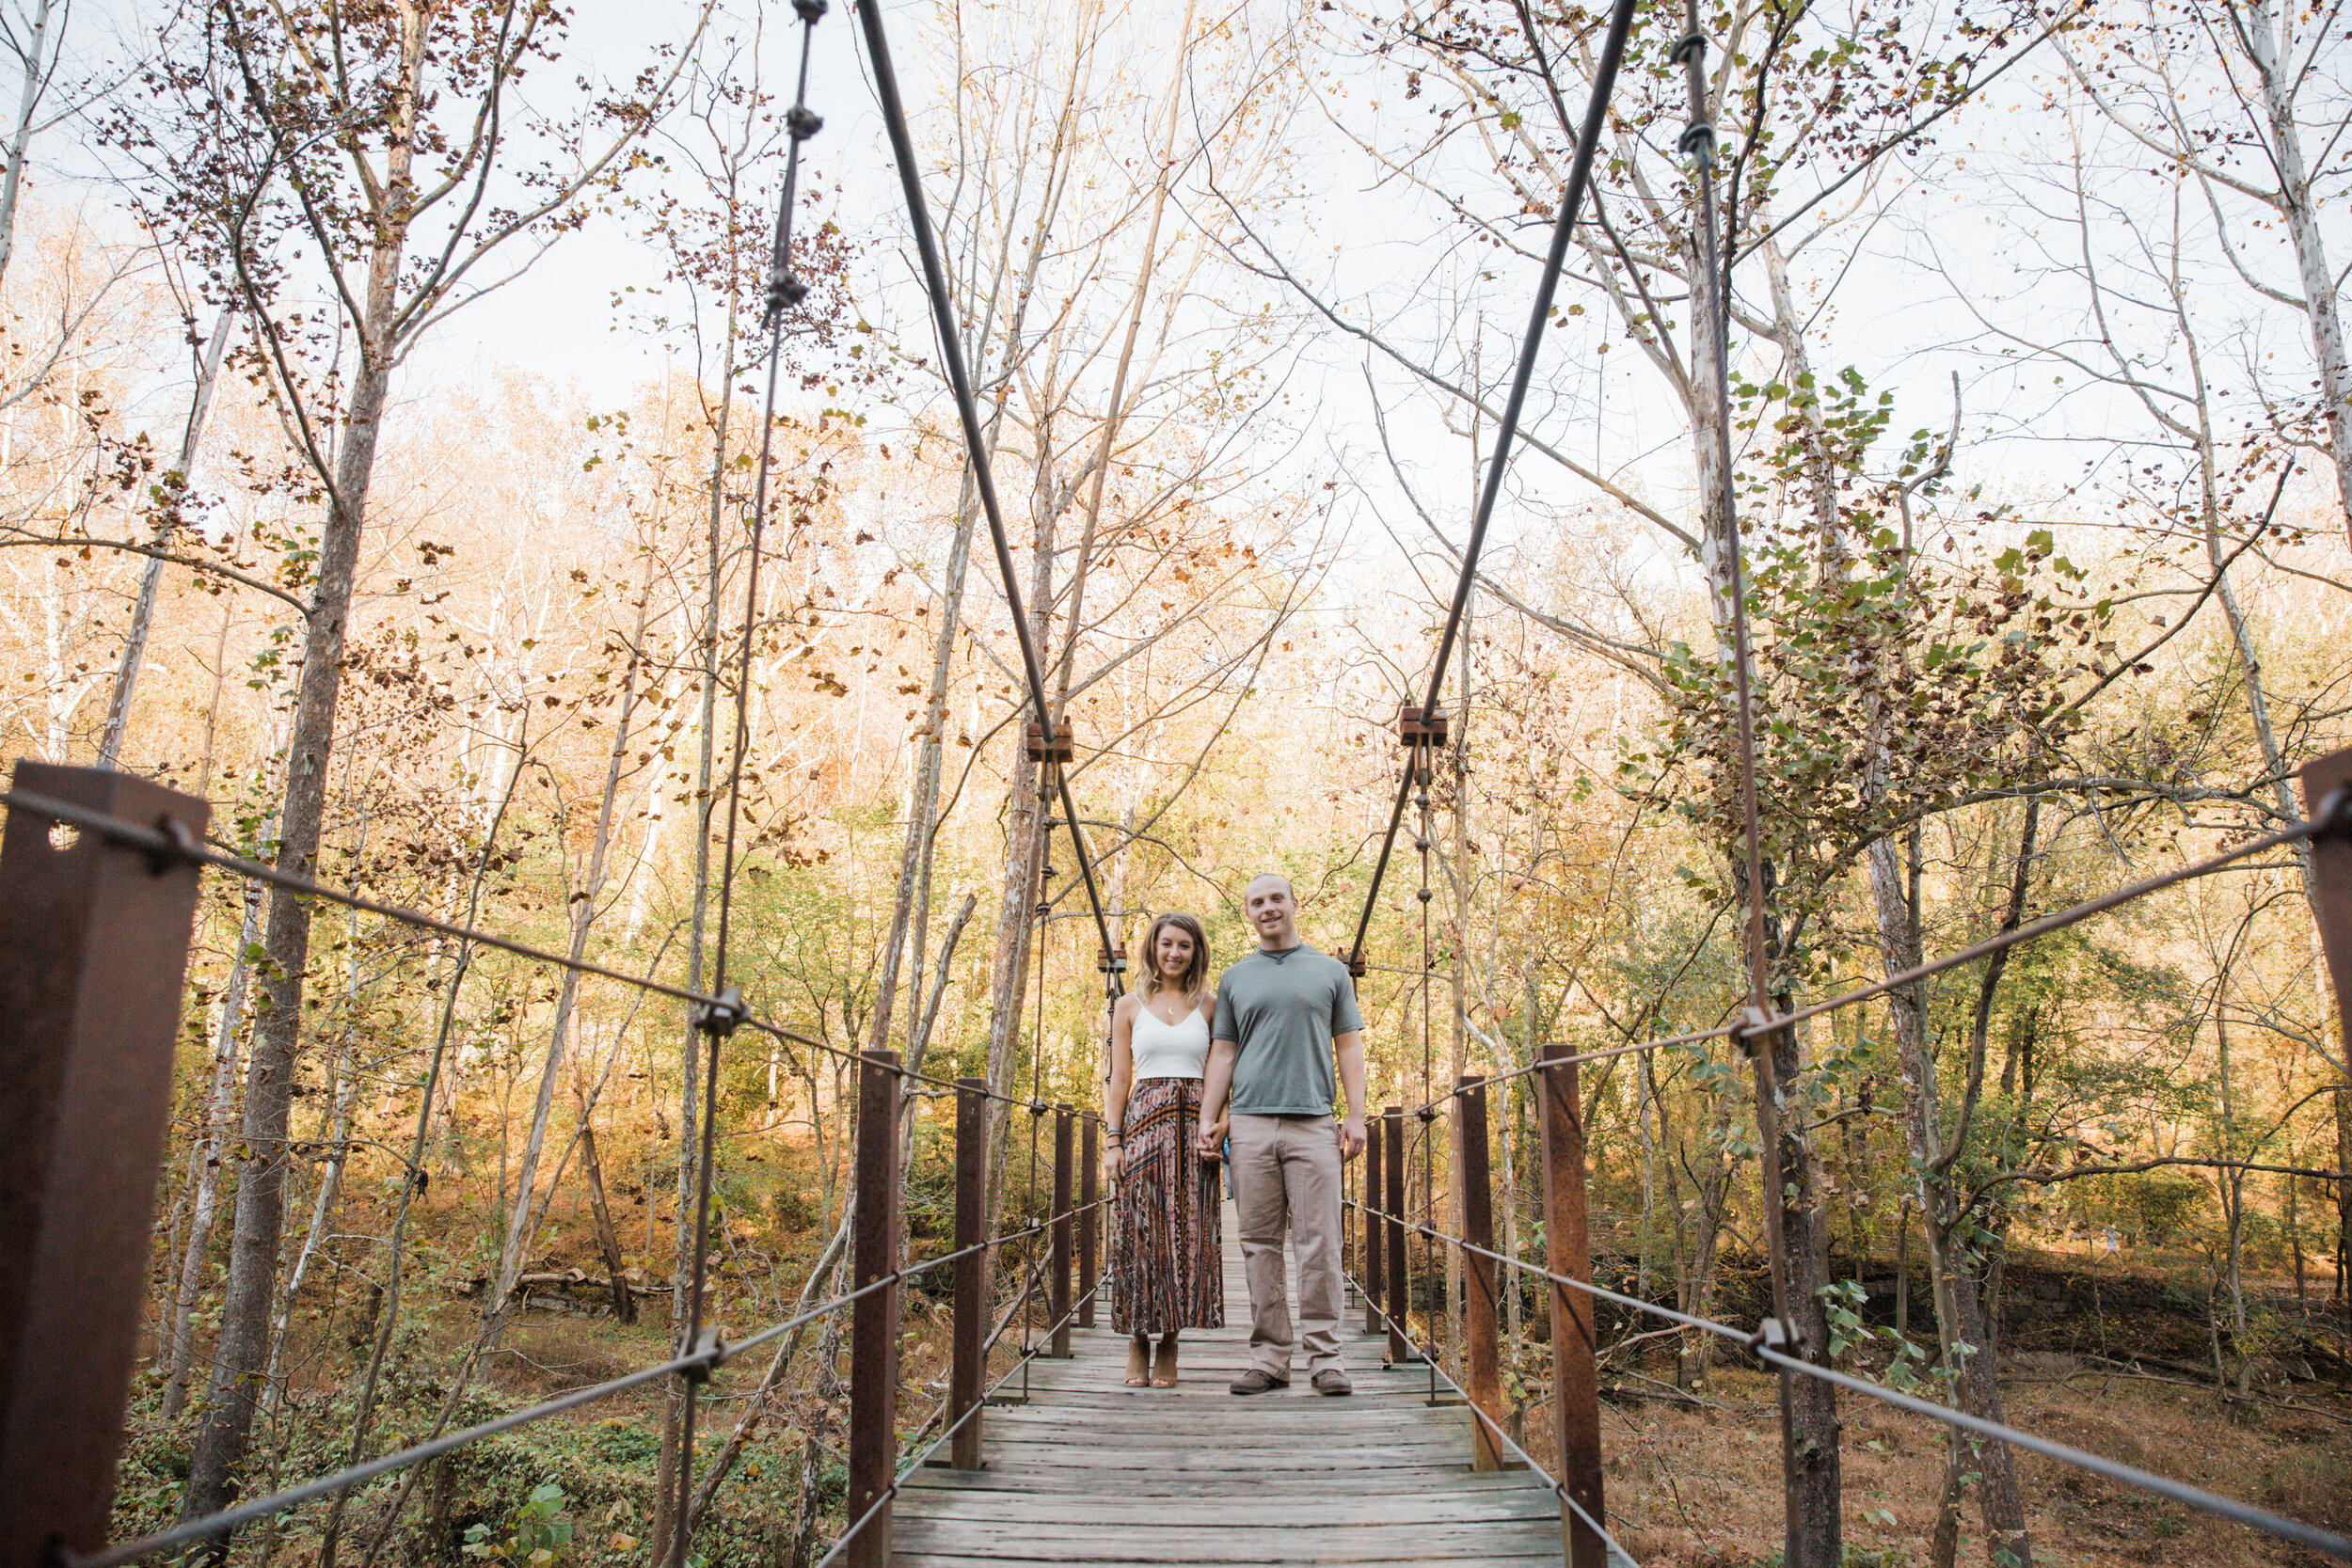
(1058, 1289)
(1482, 1366)
(966, 1375)
(93, 952)
(874, 1323)
(1568, 1250)
(1399, 1293)
(1370, 1269)
(1089, 1223)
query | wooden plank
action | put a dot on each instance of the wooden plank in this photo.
(1090, 1471)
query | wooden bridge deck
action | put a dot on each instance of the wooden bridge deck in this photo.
(1091, 1471)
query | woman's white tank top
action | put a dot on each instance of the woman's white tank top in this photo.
(1168, 1049)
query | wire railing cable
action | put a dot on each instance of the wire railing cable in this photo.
(1428, 1353)
(170, 841)
(907, 1467)
(2181, 1492)
(2333, 819)
(1539, 317)
(705, 1360)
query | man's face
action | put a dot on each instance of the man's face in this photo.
(1271, 906)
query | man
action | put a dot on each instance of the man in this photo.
(1283, 1014)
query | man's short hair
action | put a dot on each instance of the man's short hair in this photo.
(1288, 886)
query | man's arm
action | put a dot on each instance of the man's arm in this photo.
(1215, 1084)
(1350, 1049)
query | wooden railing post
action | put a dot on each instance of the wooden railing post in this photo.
(1575, 1373)
(968, 1372)
(1057, 1293)
(1400, 1291)
(1482, 1364)
(1371, 1271)
(93, 953)
(874, 1323)
(1089, 1223)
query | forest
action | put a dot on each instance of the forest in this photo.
(396, 453)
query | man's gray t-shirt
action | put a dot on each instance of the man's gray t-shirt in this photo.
(1282, 1009)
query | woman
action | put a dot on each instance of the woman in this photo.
(1168, 1264)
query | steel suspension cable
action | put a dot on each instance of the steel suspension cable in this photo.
(785, 288)
(1539, 316)
(967, 410)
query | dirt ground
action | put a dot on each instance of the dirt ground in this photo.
(1699, 1488)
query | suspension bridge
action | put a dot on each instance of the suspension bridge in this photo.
(1036, 1453)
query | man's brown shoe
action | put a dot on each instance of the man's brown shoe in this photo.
(1256, 1381)
(1333, 1382)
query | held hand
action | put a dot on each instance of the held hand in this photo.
(1211, 1142)
(1114, 1162)
(1351, 1134)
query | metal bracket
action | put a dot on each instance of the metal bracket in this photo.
(711, 1341)
(722, 1016)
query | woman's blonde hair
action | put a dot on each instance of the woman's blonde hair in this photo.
(1196, 976)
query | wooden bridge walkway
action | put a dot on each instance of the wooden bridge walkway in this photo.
(1093, 1472)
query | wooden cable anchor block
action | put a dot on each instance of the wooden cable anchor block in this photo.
(1568, 1251)
(874, 1323)
(1062, 749)
(1482, 1362)
(1415, 730)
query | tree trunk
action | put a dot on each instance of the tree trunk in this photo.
(243, 1348)
(608, 1239)
(2300, 214)
(151, 579)
(205, 1172)
(1959, 1311)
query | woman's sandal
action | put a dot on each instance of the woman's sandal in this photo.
(1164, 1366)
(1138, 1363)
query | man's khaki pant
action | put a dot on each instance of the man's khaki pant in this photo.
(1286, 1175)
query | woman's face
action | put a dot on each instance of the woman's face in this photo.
(1173, 952)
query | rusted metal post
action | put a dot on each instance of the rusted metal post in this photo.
(93, 952)
(1373, 1277)
(968, 1372)
(2331, 876)
(1058, 1289)
(1089, 1223)
(1575, 1373)
(1481, 1360)
(874, 1325)
(1400, 1292)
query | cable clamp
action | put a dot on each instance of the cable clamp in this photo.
(808, 10)
(723, 1015)
(803, 123)
(1427, 1112)
(1698, 141)
(1751, 1033)
(179, 849)
(710, 1343)
(2333, 820)
(1773, 1334)
(1039, 1107)
(1689, 46)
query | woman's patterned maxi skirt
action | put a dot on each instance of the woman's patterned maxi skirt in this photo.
(1167, 1259)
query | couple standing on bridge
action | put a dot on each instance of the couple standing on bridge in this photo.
(1248, 1071)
